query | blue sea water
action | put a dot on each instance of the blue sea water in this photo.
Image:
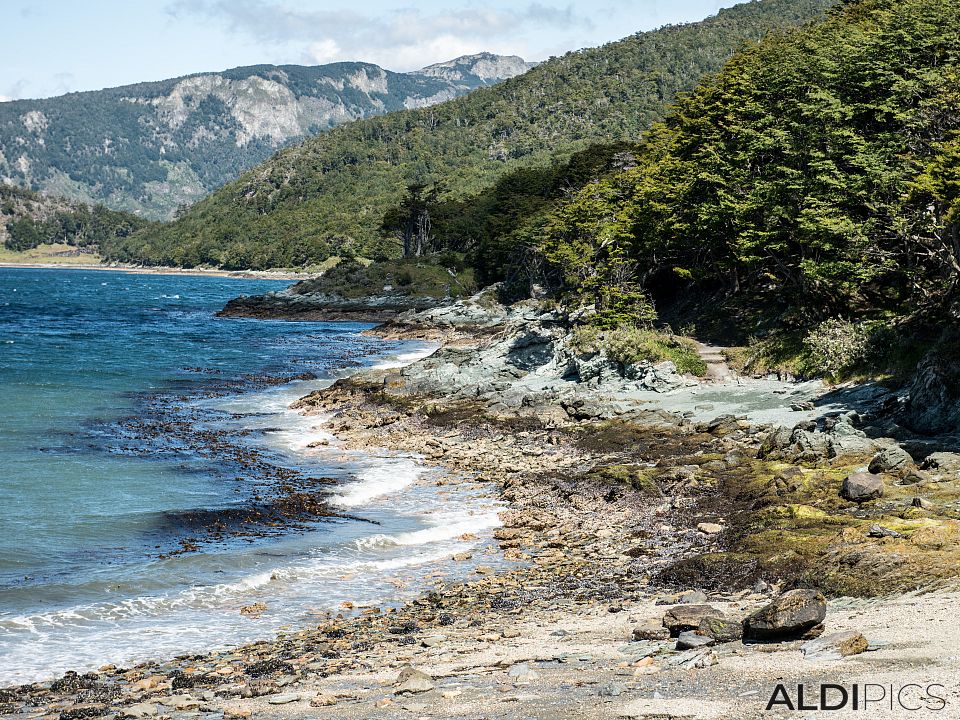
(116, 390)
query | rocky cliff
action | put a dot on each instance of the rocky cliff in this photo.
(152, 147)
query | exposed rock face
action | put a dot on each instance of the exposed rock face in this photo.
(804, 443)
(862, 487)
(482, 68)
(792, 615)
(529, 362)
(934, 404)
(170, 142)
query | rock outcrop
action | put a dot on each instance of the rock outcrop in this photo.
(933, 406)
(288, 304)
(806, 443)
(529, 361)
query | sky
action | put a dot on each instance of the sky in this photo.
(51, 47)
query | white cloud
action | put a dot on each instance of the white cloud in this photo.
(4, 98)
(401, 39)
(324, 51)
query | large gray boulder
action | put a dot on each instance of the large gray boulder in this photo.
(792, 615)
(893, 459)
(862, 487)
(848, 441)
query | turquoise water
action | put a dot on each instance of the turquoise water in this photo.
(124, 407)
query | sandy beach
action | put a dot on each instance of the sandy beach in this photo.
(246, 274)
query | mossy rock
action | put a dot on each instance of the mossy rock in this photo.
(633, 476)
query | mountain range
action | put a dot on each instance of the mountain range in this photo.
(154, 147)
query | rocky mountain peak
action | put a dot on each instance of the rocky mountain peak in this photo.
(486, 67)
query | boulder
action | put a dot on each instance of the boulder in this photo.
(776, 441)
(690, 640)
(915, 477)
(892, 459)
(688, 617)
(721, 629)
(788, 617)
(651, 629)
(848, 441)
(862, 487)
(412, 680)
(723, 425)
(835, 646)
(943, 463)
(659, 378)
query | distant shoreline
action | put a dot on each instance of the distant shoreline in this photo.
(236, 274)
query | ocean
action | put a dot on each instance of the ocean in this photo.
(136, 431)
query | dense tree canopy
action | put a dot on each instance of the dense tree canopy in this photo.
(818, 170)
(30, 219)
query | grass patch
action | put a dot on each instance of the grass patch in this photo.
(631, 345)
(58, 254)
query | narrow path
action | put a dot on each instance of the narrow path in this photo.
(717, 368)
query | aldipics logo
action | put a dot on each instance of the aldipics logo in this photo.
(859, 696)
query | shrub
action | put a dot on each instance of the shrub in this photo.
(837, 347)
(628, 345)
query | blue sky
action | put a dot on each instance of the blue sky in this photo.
(55, 46)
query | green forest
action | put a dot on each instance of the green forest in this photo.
(816, 174)
(30, 219)
(329, 195)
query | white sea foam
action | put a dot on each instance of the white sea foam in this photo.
(407, 358)
(448, 528)
(386, 479)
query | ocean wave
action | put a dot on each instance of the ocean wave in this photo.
(375, 482)
(407, 358)
(449, 530)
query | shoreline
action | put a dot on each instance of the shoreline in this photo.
(573, 629)
(134, 270)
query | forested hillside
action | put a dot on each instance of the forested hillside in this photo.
(28, 220)
(152, 147)
(816, 177)
(329, 195)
